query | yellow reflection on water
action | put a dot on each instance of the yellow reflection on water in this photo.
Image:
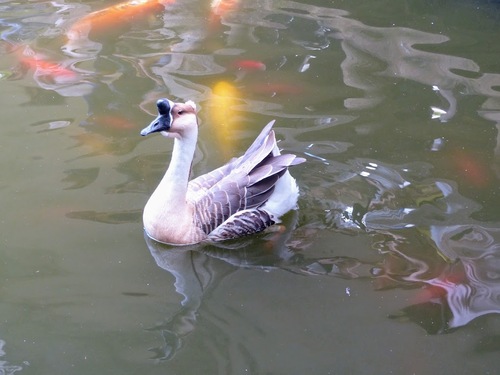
(223, 117)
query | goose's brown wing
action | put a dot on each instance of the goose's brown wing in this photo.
(242, 191)
(256, 151)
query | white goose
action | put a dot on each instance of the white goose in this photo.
(244, 196)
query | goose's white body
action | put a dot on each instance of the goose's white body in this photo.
(242, 197)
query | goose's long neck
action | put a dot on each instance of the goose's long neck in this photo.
(173, 186)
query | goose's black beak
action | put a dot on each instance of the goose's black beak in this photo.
(164, 120)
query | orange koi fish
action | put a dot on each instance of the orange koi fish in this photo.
(96, 144)
(221, 7)
(113, 19)
(45, 67)
(29, 60)
(112, 122)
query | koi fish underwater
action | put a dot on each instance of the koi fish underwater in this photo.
(42, 66)
(221, 7)
(113, 19)
(249, 65)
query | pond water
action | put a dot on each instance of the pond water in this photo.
(391, 263)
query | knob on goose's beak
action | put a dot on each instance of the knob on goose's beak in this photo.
(164, 120)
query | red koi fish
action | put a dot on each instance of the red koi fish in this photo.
(111, 20)
(428, 293)
(472, 169)
(249, 65)
(442, 286)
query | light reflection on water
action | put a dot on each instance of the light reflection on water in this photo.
(5, 367)
(402, 146)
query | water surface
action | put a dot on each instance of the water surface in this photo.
(391, 263)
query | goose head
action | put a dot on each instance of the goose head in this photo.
(173, 120)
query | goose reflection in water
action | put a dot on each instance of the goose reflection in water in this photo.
(198, 269)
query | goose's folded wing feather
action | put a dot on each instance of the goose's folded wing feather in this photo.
(256, 153)
(200, 185)
(240, 191)
(241, 224)
(227, 198)
(259, 141)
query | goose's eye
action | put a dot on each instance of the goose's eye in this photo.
(180, 112)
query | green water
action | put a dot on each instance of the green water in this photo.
(390, 265)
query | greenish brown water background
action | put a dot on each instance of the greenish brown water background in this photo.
(390, 265)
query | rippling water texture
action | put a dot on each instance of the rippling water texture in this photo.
(390, 265)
